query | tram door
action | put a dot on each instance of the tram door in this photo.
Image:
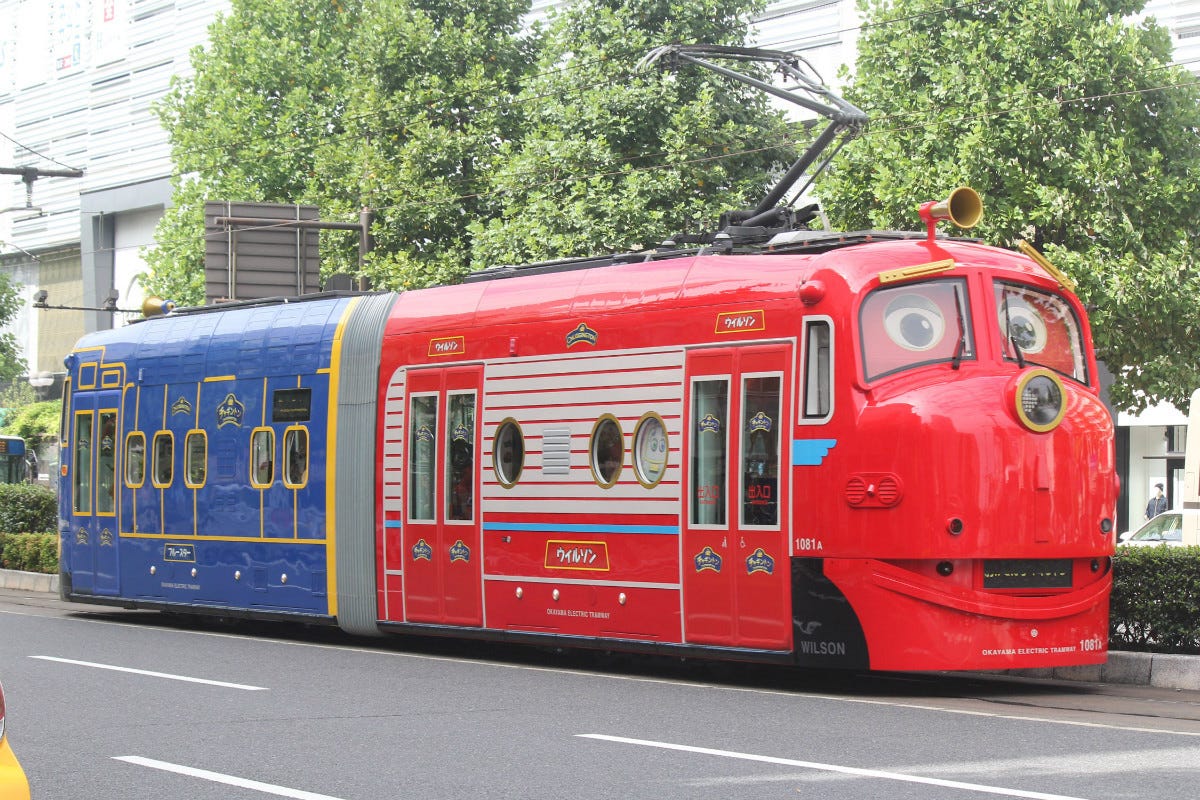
(736, 570)
(443, 568)
(92, 482)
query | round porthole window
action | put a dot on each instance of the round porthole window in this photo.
(508, 456)
(650, 450)
(608, 450)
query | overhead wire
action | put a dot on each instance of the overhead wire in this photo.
(878, 126)
(875, 130)
(36, 153)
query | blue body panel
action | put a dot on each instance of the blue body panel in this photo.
(224, 536)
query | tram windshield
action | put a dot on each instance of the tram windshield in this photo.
(915, 324)
(1040, 328)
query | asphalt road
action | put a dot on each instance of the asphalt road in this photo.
(113, 704)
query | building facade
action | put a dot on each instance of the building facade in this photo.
(78, 82)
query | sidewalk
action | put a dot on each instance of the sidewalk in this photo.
(1143, 669)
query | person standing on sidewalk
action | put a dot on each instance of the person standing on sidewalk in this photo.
(1157, 504)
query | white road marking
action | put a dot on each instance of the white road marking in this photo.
(229, 780)
(856, 771)
(793, 695)
(166, 675)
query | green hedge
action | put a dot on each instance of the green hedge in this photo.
(28, 508)
(1156, 600)
(29, 552)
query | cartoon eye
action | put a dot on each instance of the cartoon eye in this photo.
(1025, 327)
(914, 322)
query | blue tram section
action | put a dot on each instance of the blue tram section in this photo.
(196, 461)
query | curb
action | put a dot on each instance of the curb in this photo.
(28, 581)
(1161, 670)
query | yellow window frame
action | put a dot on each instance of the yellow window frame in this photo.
(600, 453)
(256, 479)
(193, 435)
(289, 434)
(169, 436)
(113, 416)
(76, 472)
(129, 438)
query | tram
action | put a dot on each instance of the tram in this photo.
(871, 450)
(883, 451)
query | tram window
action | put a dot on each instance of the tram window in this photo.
(65, 412)
(914, 324)
(422, 457)
(295, 463)
(710, 404)
(460, 469)
(508, 455)
(135, 460)
(650, 450)
(760, 451)
(262, 458)
(164, 459)
(607, 450)
(818, 369)
(106, 464)
(81, 483)
(1040, 328)
(195, 459)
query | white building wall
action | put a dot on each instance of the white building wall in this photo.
(134, 233)
(77, 81)
(1182, 19)
(825, 32)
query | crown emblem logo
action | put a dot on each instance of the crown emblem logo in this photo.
(230, 412)
(707, 559)
(760, 422)
(759, 561)
(422, 550)
(582, 335)
(459, 552)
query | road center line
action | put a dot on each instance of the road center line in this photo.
(166, 675)
(229, 780)
(862, 773)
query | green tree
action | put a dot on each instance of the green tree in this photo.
(12, 364)
(428, 102)
(389, 104)
(612, 158)
(36, 423)
(1080, 135)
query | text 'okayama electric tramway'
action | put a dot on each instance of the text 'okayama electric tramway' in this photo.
(879, 450)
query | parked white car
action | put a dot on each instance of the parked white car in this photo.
(1169, 528)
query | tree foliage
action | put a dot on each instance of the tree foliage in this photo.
(1080, 135)
(472, 139)
(36, 423)
(612, 157)
(383, 103)
(12, 365)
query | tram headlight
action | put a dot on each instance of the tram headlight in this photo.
(1040, 400)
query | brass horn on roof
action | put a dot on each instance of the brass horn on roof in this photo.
(963, 207)
(157, 307)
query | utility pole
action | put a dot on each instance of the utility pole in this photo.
(31, 174)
